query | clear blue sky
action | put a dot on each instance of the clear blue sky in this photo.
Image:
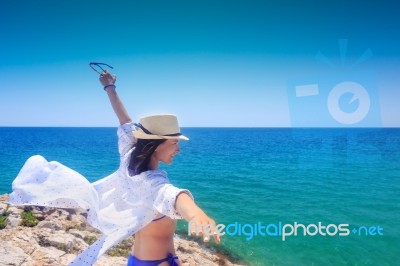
(213, 63)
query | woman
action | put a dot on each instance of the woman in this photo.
(154, 243)
(136, 199)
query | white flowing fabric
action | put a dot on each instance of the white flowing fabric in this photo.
(118, 205)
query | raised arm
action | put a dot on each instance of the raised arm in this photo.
(108, 81)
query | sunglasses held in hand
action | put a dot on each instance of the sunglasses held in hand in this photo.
(96, 66)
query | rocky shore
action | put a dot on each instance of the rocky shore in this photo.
(37, 236)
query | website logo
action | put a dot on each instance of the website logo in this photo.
(344, 98)
(282, 230)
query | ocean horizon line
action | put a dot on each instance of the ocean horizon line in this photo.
(222, 127)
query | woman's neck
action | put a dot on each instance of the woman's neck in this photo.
(153, 164)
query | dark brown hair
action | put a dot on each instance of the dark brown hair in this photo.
(140, 157)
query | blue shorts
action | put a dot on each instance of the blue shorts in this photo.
(133, 261)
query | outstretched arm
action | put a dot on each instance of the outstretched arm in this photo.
(197, 218)
(108, 81)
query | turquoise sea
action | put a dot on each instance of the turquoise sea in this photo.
(338, 179)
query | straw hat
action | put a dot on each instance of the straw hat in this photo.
(164, 126)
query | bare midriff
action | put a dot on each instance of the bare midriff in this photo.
(156, 240)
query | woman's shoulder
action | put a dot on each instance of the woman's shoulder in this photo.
(155, 173)
(149, 174)
(151, 177)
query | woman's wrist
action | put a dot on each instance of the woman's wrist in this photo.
(109, 86)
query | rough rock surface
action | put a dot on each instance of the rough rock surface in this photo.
(60, 234)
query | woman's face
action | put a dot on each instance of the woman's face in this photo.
(166, 151)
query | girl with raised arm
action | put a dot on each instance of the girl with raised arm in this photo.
(156, 140)
(137, 199)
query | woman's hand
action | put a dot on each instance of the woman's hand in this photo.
(199, 222)
(107, 79)
(202, 224)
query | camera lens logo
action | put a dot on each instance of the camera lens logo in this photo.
(345, 97)
(359, 94)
